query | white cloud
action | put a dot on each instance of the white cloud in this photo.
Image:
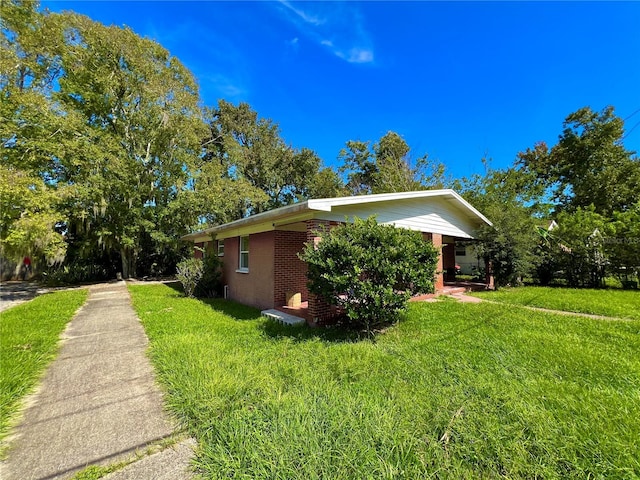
(307, 18)
(337, 26)
(222, 86)
(358, 55)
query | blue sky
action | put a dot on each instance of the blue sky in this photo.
(457, 80)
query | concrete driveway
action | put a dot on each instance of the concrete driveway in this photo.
(15, 292)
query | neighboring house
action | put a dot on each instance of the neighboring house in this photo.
(467, 260)
(261, 267)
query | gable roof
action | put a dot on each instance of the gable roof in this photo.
(341, 207)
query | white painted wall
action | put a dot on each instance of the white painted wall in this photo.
(436, 215)
(469, 262)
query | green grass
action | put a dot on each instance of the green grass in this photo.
(611, 303)
(454, 391)
(29, 335)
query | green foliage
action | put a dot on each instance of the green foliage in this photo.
(106, 116)
(511, 242)
(253, 156)
(189, 272)
(455, 391)
(29, 338)
(370, 270)
(209, 285)
(386, 167)
(622, 243)
(589, 165)
(28, 217)
(77, 272)
(326, 184)
(579, 247)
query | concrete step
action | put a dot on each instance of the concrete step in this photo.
(282, 317)
(454, 290)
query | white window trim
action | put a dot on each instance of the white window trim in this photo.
(242, 269)
(221, 244)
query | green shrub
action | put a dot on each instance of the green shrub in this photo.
(370, 270)
(209, 285)
(76, 272)
(189, 272)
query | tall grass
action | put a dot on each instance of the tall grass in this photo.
(612, 303)
(453, 391)
(29, 335)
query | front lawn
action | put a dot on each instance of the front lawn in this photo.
(611, 303)
(29, 335)
(454, 391)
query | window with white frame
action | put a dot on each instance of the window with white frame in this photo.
(221, 248)
(243, 264)
(461, 251)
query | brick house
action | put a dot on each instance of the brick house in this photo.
(261, 267)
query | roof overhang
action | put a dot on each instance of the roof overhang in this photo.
(310, 209)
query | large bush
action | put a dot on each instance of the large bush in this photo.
(370, 270)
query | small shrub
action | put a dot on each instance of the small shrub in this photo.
(189, 272)
(209, 285)
(370, 270)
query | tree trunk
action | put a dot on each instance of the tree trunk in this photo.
(129, 257)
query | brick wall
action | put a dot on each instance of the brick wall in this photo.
(320, 312)
(254, 287)
(197, 252)
(436, 240)
(290, 273)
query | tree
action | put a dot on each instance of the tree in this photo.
(370, 270)
(580, 247)
(326, 184)
(622, 243)
(28, 218)
(139, 108)
(385, 167)
(589, 165)
(511, 242)
(110, 115)
(252, 155)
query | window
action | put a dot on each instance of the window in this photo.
(221, 248)
(244, 254)
(461, 251)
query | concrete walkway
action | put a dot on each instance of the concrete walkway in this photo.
(98, 403)
(469, 299)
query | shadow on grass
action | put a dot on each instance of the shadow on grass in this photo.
(176, 285)
(303, 333)
(275, 330)
(232, 309)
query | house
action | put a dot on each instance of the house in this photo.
(259, 253)
(468, 262)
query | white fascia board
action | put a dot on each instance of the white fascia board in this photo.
(326, 204)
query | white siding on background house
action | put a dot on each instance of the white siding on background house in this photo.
(469, 263)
